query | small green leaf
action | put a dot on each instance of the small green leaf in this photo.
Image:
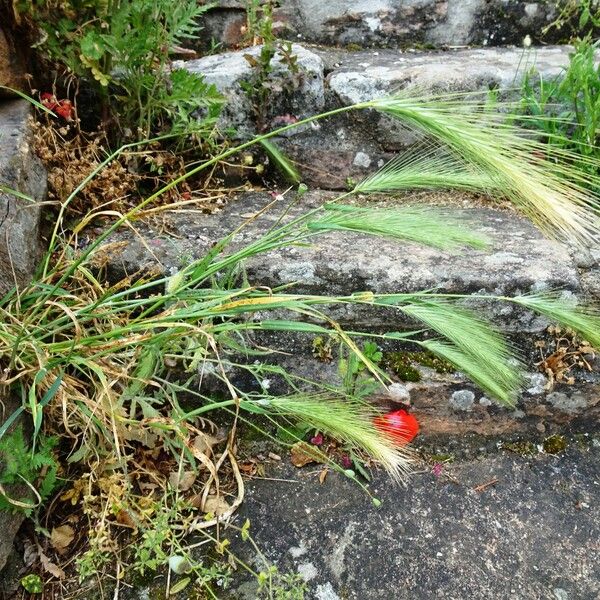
(584, 18)
(245, 529)
(92, 45)
(282, 162)
(180, 586)
(32, 583)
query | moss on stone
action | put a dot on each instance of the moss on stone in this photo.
(404, 364)
(555, 444)
(439, 365)
(522, 448)
(400, 364)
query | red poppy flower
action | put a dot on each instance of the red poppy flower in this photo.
(398, 425)
(63, 108)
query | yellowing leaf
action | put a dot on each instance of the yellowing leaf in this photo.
(182, 482)
(216, 505)
(61, 537)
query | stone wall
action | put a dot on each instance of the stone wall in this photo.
(22, 171)
(392, 23)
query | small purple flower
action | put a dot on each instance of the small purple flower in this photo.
(346, 462)
(317, 440)
(437, 470)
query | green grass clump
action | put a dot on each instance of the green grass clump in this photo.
(565, 109)
(95, 363)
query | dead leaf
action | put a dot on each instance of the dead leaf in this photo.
(248, 467)
(182, 482)
(61, 537)
(137, 434)
(124, 518)
(49, 566)
(323, 475)
(216, 505)
(303, 454)
(30, 553)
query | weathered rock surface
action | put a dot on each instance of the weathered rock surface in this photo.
(368, 74)
(449, 406)
(355, 142)
(22, 171)
(12, 66)
(302, 93)
(349, 145)
(520, 260)
(532, 534)
(394, 23)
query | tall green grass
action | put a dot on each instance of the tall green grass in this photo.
(93, 362)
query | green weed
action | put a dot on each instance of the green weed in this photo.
(566, 109)
(120, 371)
(121, 49)
(28, 476)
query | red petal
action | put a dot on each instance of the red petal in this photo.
(65, 109)
(399, 425)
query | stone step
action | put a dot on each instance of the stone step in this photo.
(520, 260)
(497, 526)
(500, 526)
(390, 23)
(351, 145)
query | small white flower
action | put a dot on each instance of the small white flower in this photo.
(527, 41)
(265, 384)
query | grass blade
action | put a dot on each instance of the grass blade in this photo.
(424, 225)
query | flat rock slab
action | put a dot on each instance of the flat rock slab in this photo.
(532, 534)
(519, 260)
(365, 75)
